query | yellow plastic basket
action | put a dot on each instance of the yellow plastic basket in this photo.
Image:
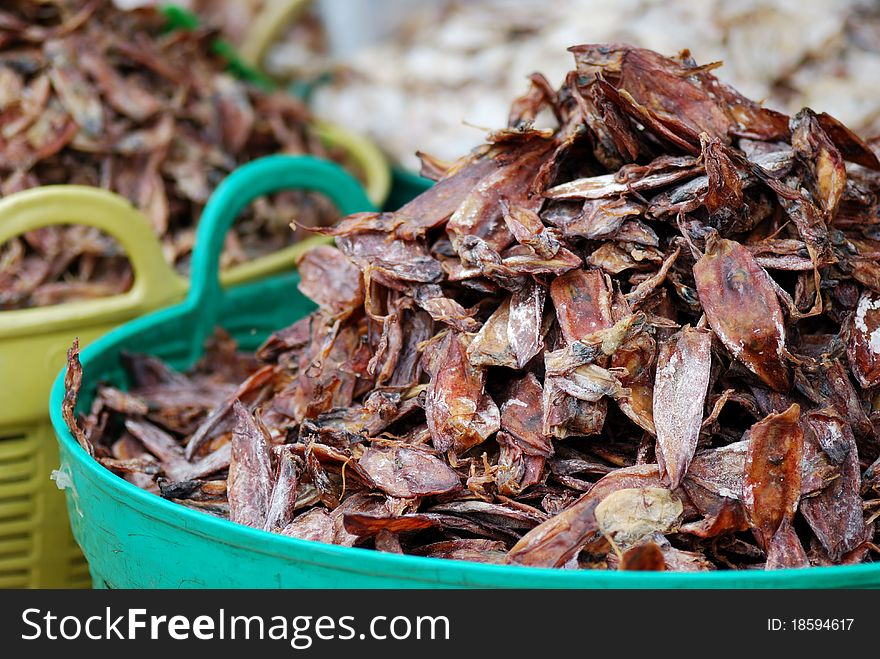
(36, 547)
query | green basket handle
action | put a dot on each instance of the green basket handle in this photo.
(155, 282)
(179, 18)
(255, 179)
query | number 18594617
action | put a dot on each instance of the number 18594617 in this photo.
(810, 624)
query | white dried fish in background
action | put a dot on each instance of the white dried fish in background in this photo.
(456, 62)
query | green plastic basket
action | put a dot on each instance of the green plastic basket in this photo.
(134, 539)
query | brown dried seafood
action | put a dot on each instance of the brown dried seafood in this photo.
(647, 339)
(93, 95)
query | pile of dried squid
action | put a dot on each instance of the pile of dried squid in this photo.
(93, 95)
(645, 339)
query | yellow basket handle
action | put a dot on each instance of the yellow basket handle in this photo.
(366, 155)
(155, 282)
(266, 26)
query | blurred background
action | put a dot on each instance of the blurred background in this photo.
(434, 74)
